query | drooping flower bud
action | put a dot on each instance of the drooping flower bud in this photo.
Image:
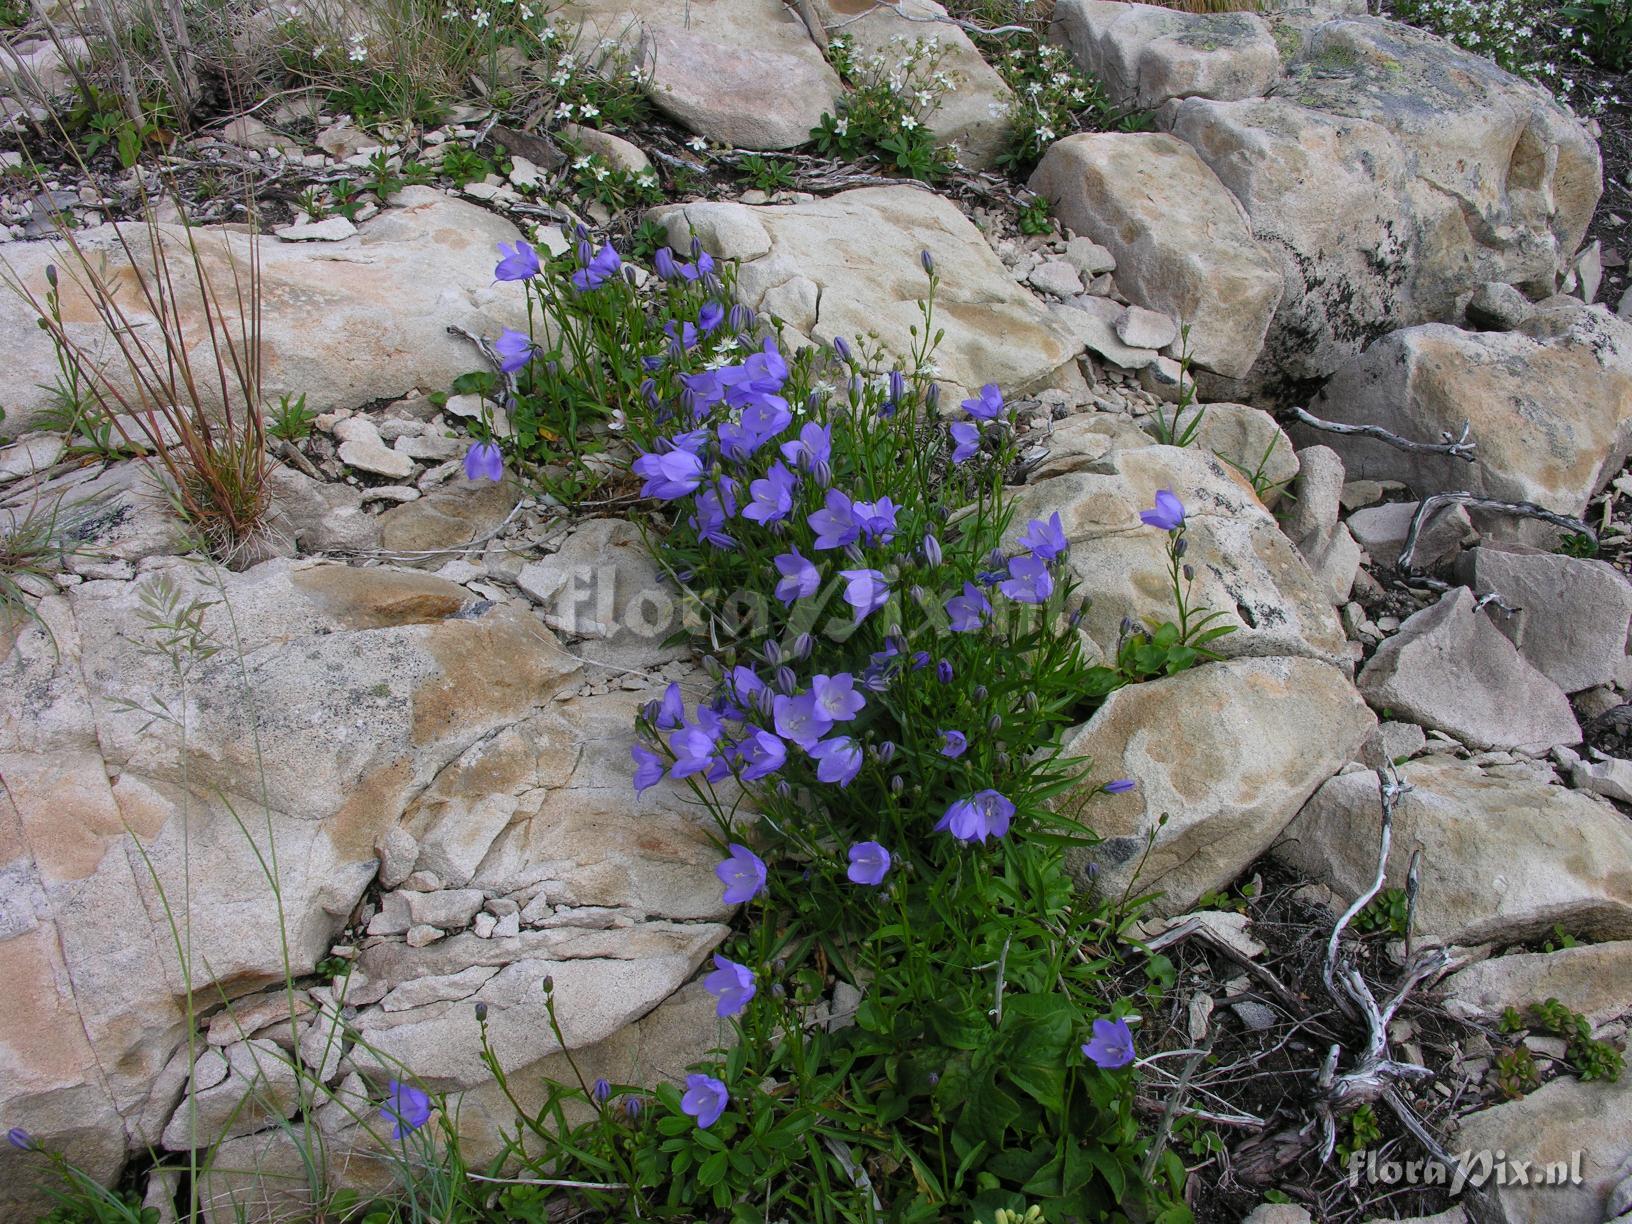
(1189, 572)
(932, 549)
(842, 348)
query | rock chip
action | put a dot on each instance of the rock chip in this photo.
(1450, 669)
(603, 587)
(1382, 532)
(260, 1090)
(1180, 240)
(1228, 752)
(1143, 328)
(1505, 855)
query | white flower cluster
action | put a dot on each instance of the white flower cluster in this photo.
(1510, 33)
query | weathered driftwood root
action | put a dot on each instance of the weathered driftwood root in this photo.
(1459, 447)
(1436, 501)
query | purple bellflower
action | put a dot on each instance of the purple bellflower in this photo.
(407, 1108)
(731, 984)
(799, 579)
(705, 1099)
(1168, 514)
(869, 863)
(987, 406)
(519, 264)
(484, 461)
(984, 814)
(743, 874)
(1111, 1046)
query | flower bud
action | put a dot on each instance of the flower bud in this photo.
(481, 1012)
(943, 671)
(886, 752)
(632, 1107)
(932, 397)
(822, 473)
(934, 1078)
(853, 552)
(1189, 572)
(764, 701)
(784, 792)
(898, 784)
(842, 348)
(898, 387)
(980, 692)
(928, 261)
(1029, 702)
(1126, 626)
(585, 252)
(50, 279)
(772, 653)
(601, 1090)
(994, 724)
(916, 592)
(1181, 546)
(696, 248)
(740, 319)
(932, 549)
(858, 389)
(1001, 759)
(548, 984)
(894, 631)
(803, 646)
(711, 665)
(785, 679)
(663, 261)
(17, 1136)
(1075, 618)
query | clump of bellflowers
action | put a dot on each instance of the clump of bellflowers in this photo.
(894, 94)
(893, 663)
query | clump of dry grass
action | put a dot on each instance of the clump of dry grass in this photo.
(182, 378)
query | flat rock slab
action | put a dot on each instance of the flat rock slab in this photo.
(1573, 613)
(1593, 979)
(386, 298)
(1506, 854)
(1102, 472)
(1550, 407)
(861, 249)
(1180, 240)
(741, 72)
(1228, 752)
(1450, 669)
(1549, 1127)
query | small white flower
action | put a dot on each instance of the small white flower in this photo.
(908, 123)
(589, 112)
(697, 142)
(564, 111)
(581, 164)
(479, 18)
(841, 126)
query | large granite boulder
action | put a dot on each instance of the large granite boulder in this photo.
(856, 255)
(1181, 242)
(1506, 854)
(1549, 407)
(1223, 755)
(1384, 173)
(740, 72)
